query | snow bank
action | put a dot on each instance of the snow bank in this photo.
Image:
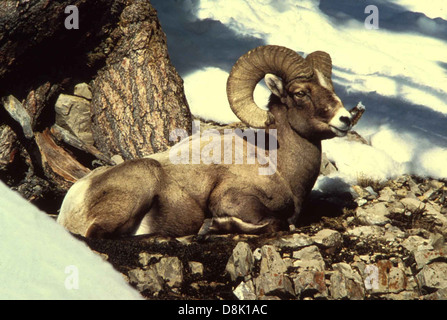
(210, 103)
(399, 71)
(434, 9)
(40, 260)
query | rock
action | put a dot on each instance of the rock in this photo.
(274, 284)
(413, 243)
(434, 212)
(414, 188)
(346, 270)
(145, 258)
(404, 295)
(386, 195)
(146, 280)
(437, 240)
(343, 288)
(359, 192)
(360, 202)
(8, 146)
(436, 184)
(440, 294)
(393, 234)
(294, 241)
(271, 261)
(170, 269)
(73, 114)
(396, 207)
(309, 258)
(427, 195)
(196, 268)
(310, 283)
(412, 204)
(16, 110)
(397, 280)
(117, 159)
(433, 276)
(241, 261)
(366, 231)
(346, 283)
(425, 256)
(371, 192)
(245, 291)
(402, 193)
(83, 90)
(328, 238)
(373, 215)
(271, 280)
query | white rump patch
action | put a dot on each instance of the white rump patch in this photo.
(73, 214)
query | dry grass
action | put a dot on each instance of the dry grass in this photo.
(365, 181)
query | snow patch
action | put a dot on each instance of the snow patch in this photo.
(206, 92)
(41, 260)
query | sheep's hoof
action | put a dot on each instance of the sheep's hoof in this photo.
(205, 228)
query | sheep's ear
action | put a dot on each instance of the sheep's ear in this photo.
(275, 85)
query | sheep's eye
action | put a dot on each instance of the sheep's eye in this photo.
(300, 94)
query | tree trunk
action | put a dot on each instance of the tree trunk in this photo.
(138, 96)
(120, 50)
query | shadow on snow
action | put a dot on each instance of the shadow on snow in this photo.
(194, 44)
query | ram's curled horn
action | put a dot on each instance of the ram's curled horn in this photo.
(321, 61)
(250, 69)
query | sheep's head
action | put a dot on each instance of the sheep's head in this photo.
(302, 87)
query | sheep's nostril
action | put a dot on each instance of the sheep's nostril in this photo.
(345, 120)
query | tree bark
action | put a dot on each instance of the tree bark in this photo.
(138, 96)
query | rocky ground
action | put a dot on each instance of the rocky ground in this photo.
(378, 241)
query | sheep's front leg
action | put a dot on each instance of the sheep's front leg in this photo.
(235, 211)
(222, 225)
(206, 227)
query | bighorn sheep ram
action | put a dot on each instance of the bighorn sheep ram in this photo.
(153, 195)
